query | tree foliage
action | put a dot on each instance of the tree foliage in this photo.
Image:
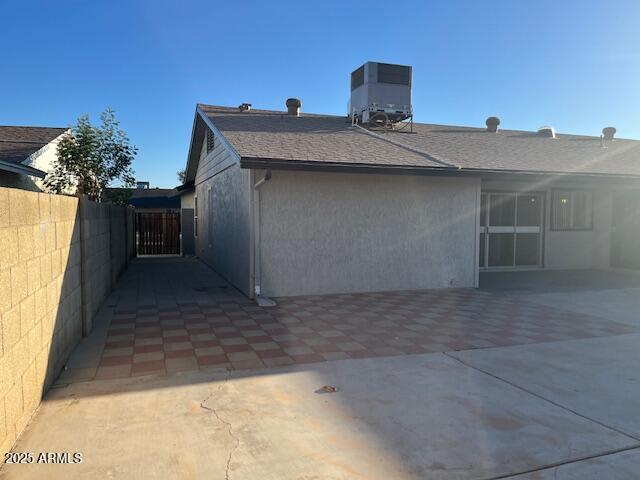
(91, 157)
(182, 175)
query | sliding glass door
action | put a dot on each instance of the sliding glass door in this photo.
(511, 230)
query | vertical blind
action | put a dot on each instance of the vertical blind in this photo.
(572, 210)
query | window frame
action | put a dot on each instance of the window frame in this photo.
(556, 191)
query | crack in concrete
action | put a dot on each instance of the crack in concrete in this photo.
(224, 422)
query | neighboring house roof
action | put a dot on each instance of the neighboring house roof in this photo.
(153, 197)
(264, 138)
(17, 144)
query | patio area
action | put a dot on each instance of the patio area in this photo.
(184, 376)
(171, 315)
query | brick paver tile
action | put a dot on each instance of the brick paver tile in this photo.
(264, 346)
(180, 353)
(181, 364)
(116, 371)
(117, 352)
(118, 344)
(177, 339)
(213, 359)
(271, 353)
(278, 361)
(307, 358)
(209, 351)
(120, 360)
(237, 348)
(147, 348)
(205, 343)
(335, 355)
(148, 341)
(150, 367)
(174, 346)
(147, 356)
(238, 356)
(247, 364)
(233, 341)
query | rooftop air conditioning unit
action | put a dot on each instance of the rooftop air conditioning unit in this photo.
(380, 93)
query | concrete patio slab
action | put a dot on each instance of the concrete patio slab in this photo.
(414, 416)
(598, 378)
(619, 466)
(620, 305)
(609, 294)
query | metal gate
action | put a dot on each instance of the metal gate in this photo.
(158, 233)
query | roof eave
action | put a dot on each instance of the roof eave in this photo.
(306, 165)
(21, 169)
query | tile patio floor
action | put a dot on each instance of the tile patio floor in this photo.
(170, 315)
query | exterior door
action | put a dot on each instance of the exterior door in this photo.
(511, 230)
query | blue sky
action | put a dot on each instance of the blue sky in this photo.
(571, 64)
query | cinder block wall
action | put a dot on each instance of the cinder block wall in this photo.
(54, 255)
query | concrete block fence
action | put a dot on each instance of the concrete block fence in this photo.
(59, 259)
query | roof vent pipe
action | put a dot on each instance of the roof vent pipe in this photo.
(547, 131)
(293, 106)
(492, 124)
(608, 133)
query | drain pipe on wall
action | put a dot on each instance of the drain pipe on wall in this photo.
(257, 283)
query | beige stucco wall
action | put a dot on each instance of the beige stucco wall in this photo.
(46, 273)
(334, 232)
(567, 249)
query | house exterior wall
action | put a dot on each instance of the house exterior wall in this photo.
(44, 160)
(187, 206)
(187, 200)
(16, 180)
(223, 192)
(335, 233)
(570, 249)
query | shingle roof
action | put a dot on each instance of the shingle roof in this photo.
(150, 197)
(327, 139)
(18, 143)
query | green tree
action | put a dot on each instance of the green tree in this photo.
(182, 175)
(90, 157)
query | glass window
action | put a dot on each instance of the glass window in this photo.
(501, 249)
(527, 249)
(572, 210)
(502, 210)
(529, 210)
(484, 207)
